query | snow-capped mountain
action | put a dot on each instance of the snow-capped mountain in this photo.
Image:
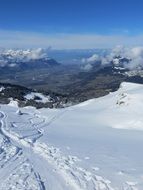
(23, 55)
(95, 145)
(29, 58)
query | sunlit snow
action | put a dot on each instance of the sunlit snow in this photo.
(95, 145)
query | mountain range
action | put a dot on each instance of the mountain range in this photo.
(18, 60)
(93, 77)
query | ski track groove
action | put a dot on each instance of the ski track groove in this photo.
(76, 177)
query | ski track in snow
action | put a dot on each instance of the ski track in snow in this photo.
(75, 177)
(18, 170)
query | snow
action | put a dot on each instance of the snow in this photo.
(116, 61)
(134, 73)
(13, 103)
(119, 68)
(41, 98)
(2, 88)
(96, 145)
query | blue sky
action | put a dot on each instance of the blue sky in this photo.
(71, 23)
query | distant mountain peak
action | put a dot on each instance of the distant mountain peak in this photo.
(23, 55)
(16, 58)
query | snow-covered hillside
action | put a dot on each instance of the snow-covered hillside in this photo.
(96, 145)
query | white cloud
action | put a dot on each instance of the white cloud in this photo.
(91, 59)
(36, 54)
(87, 67)
(18, 39)
(134, 54)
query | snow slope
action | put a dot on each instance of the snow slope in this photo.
(96, 145)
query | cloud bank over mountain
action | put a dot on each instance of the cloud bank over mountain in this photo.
(11, 57)
(132, 58)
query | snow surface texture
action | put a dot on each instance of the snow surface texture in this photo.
(96, 145)
(1, 88)
(40, 97)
